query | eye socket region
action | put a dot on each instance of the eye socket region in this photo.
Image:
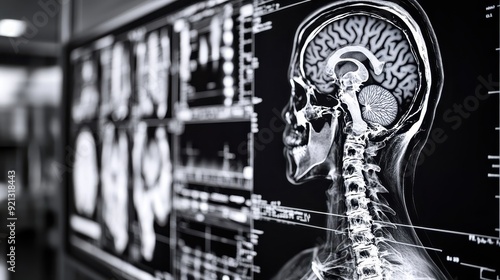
(299, 94)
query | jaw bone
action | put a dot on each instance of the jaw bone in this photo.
(309, 147)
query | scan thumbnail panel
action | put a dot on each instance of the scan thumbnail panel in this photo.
(208, 61)
(121, 130)
(139, 157)
(152, 69)
(121, 197)
(86, 91)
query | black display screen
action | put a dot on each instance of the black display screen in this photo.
(288, 140)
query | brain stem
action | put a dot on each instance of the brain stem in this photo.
(349, 98)
(351, 81)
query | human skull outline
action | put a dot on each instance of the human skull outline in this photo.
(348, 71)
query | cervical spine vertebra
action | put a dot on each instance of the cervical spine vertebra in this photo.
(360, 210)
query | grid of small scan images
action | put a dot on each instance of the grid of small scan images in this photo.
(158, 188)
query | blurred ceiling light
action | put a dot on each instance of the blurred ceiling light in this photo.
(12, 27)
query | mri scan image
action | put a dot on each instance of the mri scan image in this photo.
(152, 184)
(115, 180)
(153, 67)
(120, 84)
(86, 100)
(86, 173)
(288, 140)
(362, 87)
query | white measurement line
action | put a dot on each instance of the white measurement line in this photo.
(312, 211)
(205, 235)
(491, 175)
(289, 6)
(447, 231)
(495, 165)
(285, 7)
(301, 224)
(340, 232)
(493, 91)
(481, 270)
(498, 129)
(493, 157)
(413, 245)
(396, 224)
(477, 266)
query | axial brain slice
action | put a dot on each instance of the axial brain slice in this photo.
(383, 39)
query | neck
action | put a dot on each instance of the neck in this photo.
(336, 222)
(369, 225)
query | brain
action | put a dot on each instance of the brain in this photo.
(383, 39)
(377, 105)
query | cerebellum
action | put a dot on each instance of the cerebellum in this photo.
(378, 105)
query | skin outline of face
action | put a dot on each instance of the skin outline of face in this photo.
(298, 155)
(397, 148)
(323, 167)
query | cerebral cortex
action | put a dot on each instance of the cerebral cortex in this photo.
(383, 39)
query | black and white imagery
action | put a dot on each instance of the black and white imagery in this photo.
(115, 184)
(363, 86)
(153, 178)
(152, 54)
(86, 91)
(85, 173)
(287, 140)
(213, 202)
(121, 180)
(116, 81)
(207, 58)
